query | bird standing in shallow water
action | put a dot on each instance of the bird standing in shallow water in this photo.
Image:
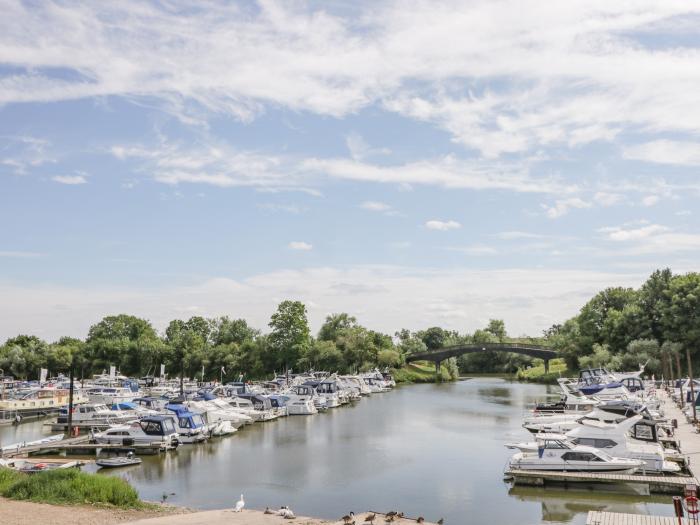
(239, 505)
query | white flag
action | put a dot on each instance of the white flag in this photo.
(162, 370)
(223, 370)
(112, 371)
(42, 375)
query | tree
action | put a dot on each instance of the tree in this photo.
(497, 327)
(335, 325)
(128, 342)
(289, 338)
(599, 358)
(225, 331)
(681, 317)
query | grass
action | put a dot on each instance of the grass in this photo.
(419, 372)
(69, 486)
(536, 374)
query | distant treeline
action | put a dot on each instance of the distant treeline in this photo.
(619, 328)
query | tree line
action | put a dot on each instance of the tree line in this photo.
(619, 328)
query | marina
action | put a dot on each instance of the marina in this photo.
(371, 451)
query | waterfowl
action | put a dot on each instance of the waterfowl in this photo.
(420, 519)
(349, 518)
(268, 511)
(370, 518)
(441, 521)
(239, 505)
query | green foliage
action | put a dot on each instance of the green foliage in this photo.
(68, 486)
(537, 374)
(290, 336)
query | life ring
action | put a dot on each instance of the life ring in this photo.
(691, 505)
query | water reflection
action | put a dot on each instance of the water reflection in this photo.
(431, 450)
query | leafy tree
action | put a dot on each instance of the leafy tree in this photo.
(681, 318)
(497, 327)
(335, 325)
(600, 357)
(290, 338)
(224, 331)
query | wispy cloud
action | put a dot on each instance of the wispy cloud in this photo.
(562, 206)
(300, 245)
(70, 180)
(579, 74)
(666, 152)
(442, 225)
(20, 254)
(651, 239)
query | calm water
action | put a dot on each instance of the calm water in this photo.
(431, 450)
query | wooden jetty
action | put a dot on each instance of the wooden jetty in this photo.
(81, 446)
(654, 484)
(618, 518)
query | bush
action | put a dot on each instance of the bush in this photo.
(7, 478)
(72, 487)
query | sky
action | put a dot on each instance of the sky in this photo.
(412, 163)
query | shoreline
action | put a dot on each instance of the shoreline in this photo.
(16, 512)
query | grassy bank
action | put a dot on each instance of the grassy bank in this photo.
(419, 372)
(69, 487)
(536, 374)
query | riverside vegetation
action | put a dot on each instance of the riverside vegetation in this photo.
(69, 487)
(618, 327)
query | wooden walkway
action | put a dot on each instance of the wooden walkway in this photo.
(616, 518)
(657, 484)
(78, 445)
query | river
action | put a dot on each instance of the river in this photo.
(430, 450)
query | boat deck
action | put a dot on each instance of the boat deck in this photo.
(618, 518)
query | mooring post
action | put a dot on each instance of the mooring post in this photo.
(546, 366)
(680, 377)
(690, 377)
(70, 399)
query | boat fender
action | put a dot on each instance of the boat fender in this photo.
(18, 419)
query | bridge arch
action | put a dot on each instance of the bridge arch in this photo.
(440, 354)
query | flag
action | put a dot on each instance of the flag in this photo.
(42, 375)
(162, 370)
(223, 370)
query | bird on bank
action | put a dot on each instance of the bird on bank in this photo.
(420, 519)
(441, 521)
(349, 518)
(370, 518)
(286, 513)
(239, 505)
(268, 511)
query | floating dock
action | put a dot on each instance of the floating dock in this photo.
(80, 446)
(654, 484)
(617, 518)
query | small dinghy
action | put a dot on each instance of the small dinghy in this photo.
(120, 461)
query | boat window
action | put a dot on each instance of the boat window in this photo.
(168, 424)
(596, 443)
(152, 428)
(580, 456)
(184, 422)
(644, 432)
(554, 444)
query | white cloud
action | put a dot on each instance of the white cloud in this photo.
(447, 171)
(621, 234)
(300, 245)
(475, 249)
(376, 206)
(651, 239)
(442, 225)
(650, 200)
(666, 152)
(20, 254)
(575, 75)
(561, 207)
(684, 213)
(360, 149)
(70, 180)
(514, 235)
(385, 298)
(607, 199)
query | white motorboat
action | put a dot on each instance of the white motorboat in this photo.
(563, 455)
(95, 415)
(300, 400)
(110, 395)
(615, 439)
(148, 431)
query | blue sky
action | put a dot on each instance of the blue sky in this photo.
(412, 163)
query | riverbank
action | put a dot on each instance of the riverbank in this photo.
(257, 517)
(30, 513)
(536, 374)
(420, 372)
